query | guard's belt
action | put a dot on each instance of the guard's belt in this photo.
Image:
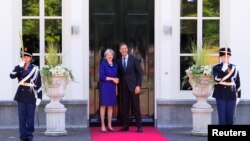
(225, 83)
(27, 84)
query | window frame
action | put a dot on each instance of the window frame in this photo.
(199, 19)
(42, 18)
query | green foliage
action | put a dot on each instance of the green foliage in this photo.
(46, 76)
(31, 27)
(30, 7)
(211, 8)
(53, 27)
(200, 57)
(53, 31)
(52, 57)
(54, 67)
(188, 9)
(53, 7)
(201, 67)
(49, 71)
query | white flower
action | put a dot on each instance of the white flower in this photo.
(49, 71)
(198, 70)
(207, 70)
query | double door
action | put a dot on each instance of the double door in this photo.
(115, 21)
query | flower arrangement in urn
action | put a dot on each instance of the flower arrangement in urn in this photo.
(200, 78)
(54, 67)
(201, 71)
(200, 68)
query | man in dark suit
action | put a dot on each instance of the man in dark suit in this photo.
(28, 95)
(227, 89)
(130, 75)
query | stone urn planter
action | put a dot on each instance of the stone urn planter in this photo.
(55, 78)
(202, 88)
(55, 110)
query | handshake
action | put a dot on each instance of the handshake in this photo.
(115, 80)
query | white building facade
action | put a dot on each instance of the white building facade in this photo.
(169, 100)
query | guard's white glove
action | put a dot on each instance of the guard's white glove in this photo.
(38, 101)
(237, 100)
(224, 67)
(21, 64)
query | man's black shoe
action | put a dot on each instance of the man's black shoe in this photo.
(123, 129)
(139, 130)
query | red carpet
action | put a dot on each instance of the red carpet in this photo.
(149, 134)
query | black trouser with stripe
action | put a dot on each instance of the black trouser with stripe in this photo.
(26, 113)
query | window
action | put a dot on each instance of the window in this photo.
(199, 23)
(41, 26)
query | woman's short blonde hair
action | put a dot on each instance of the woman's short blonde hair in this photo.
(107, 51)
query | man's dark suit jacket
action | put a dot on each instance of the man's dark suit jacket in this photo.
(132, 76)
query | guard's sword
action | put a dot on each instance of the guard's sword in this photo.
(21, 39)
(234, 118)
(37, 116)
(226, 54)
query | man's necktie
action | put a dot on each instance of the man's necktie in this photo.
(124, 63)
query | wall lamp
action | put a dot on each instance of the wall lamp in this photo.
(75, 30)
(167, 29)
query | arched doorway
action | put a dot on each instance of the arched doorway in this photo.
(115, 21)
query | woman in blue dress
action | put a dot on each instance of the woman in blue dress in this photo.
(108, 88)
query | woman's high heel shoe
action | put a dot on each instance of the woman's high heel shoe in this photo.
(103, 130)
(111, 129)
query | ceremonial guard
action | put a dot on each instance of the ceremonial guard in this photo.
(28, 94)
(227, 87)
